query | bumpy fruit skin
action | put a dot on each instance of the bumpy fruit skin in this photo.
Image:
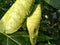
(33, 23)
(1, 27)
(16, 15)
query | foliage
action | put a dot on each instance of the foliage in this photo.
(49, 31)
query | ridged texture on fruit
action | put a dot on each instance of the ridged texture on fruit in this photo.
(16, 15)
(1, 27)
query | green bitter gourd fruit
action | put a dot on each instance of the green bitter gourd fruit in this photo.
(33, 23)
(16, 15)
(1, 27)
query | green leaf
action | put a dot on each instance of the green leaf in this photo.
(44, 38)
(18, 38)
(45, 44)
(54, 3)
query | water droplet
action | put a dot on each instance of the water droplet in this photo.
(46, 16)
